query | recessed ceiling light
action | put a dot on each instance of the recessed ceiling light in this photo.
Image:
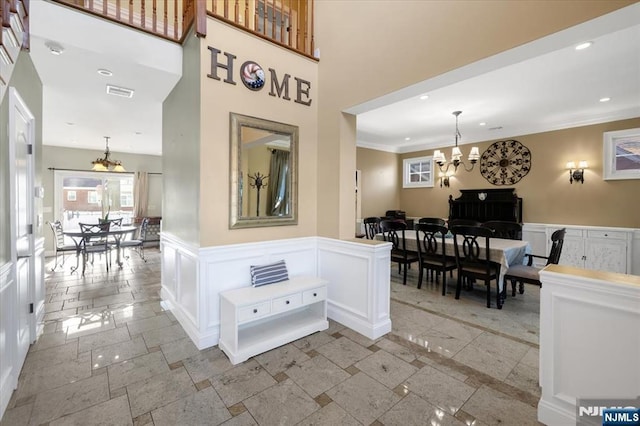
(138, 133)
(54, 48)
(584, 45)
(495, 128)
(605, 99)
(70, 123)
(423, 97)
(105, 72)
(483, 124)
(407, 139)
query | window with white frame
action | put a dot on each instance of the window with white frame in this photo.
(71, 195)
(92, 197)
(417, 172)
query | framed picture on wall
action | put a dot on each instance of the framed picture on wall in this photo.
(621, 157)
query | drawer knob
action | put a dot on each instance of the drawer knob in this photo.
(315, 294)
(287, 302)
(255, 311)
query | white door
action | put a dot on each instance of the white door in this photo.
(21, 136)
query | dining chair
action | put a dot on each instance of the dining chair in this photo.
(463, 222)
(431, 252)
(60, 246)
(433, 220)
(137, 243)
(505, 229)
(394, 232)
(371, 227)
(468, 241)
(531, 274)
(94, 242)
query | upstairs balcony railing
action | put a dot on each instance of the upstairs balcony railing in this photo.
(288, 23)
(169, 19)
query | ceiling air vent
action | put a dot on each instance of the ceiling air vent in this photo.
(119, 91)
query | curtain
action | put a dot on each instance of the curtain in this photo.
(140, 194)
(279, 184)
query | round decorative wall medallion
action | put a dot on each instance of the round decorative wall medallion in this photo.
(252, 75)
(505, 162)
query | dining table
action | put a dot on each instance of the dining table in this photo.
(116, 232)
(503, 251)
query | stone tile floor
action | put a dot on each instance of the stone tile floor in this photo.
(110, 355)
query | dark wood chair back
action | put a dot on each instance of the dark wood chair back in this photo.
(434, 220)
(431, 251)
(505, 229)
(557, 240)
(371, 227)
(393, 231)
(463, 222)
(471, 264)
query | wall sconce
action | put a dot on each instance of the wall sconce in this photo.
(576, 174)
(445, 179)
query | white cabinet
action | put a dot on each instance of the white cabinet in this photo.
(589, 247)
(257, 319)
(600, 249)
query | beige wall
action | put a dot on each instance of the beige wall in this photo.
(219, 99)
(389, 47)
(547, 195)
(379, 181)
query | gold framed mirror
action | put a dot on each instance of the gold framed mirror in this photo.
(264, 172)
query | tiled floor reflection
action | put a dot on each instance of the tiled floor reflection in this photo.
(110, 355)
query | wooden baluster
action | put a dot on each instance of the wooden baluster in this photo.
(91, 5)
(226, 9)
(311, 28)
(214, 9)
(290, 27)
(175, 19)
(200, 13)
(246, 14)
(26, 43)
(273, 20)
(105, 8)
(155, 16)
(256, 17)
(281, 23)
(236, 11)
(143, 20)
(297, 46)
(5, 13)
(165, 20)
(264, 17)
(118, 9)
(131, 12)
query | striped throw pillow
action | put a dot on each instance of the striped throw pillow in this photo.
(269, 274)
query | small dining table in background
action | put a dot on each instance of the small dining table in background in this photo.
(117, 232)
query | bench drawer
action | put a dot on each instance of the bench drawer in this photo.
(314, 295)
(251, 312)
(291, 301)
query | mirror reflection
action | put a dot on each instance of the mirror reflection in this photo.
(263, 175)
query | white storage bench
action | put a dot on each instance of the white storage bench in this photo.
(254, 320)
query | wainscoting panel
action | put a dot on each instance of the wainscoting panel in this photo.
(358, 275)
(589, 340)
(359, 285)
(9, 367)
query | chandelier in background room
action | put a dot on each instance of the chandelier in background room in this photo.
(456, 154)
(107, 164)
